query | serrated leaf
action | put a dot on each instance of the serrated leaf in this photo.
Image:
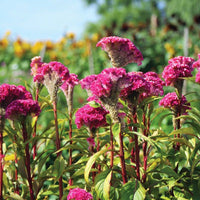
(91, 161)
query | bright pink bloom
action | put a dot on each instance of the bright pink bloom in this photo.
(108, 81)
(156, 84)
(172, 101)
(196, 64)
(91, 142)
(90, 117)
(79, 194)
(121, 51)
(137, 85)
(178, 67)
(198, 77)
(23, 107)
(70, 82)
(9, 93)
(36, 63)
(54, 70)
(87, 81)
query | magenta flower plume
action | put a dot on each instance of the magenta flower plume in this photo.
(178, 67)
(137, 85)
(156, 84)
(90, 117)
(36, 63)
(172, 101)
(22, 108)
(79, 194)
(70, 82)
(198, 77)
(52, 75)
(121, 51)
(11, 93)
(108, 83)
(196, 64)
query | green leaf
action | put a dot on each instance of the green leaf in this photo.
(58, 168)
(91, 161)
(128, 190)
(14, 196)
(94, 104)
(106, 186)
(99, 183)
(140, 194)
(186, 131)
(116, 129)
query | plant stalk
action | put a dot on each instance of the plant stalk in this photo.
(27, 159)
(58, 146)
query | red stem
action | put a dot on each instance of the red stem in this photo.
(70, 150)
(58, 147)
(35, 127)
(121, 155)
(112, 149)
(16, 171)
(27, 160)
(1, 164)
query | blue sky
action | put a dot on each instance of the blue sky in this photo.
(44, 19)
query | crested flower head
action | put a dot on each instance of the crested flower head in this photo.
(79, 194)
(108, 82)
(172, 101)
(156, 84)
(121, 51)
(137, 85)
(91, 141)
(90, 117)
(70, 82)
(36, 63)
(23, 108)
(52, 75)
(10, 93)
(178, 67)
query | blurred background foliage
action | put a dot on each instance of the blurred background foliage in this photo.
(161, 29)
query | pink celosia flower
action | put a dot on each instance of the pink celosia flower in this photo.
(23, 108)
(91, 142)
(137, 85)
(9, 93)
(79, 194)
(70, 82)
(196, 64)
(198, 77)
(121, 51)
(54, 70)
(172, 101)
(52, 75)
(109, 81)
(90, 117)
(178, 67)
(86, 83)
(36, 63)
(156, 84)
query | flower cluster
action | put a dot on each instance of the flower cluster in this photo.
(70, 82)
(79, 194)
(172, 101)
(196, 64)
(9, 93)
(178, 67)
(121, 51)
(90, 117)
(198, 77)
(156, 84)
(23, 107)
(137, 85)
